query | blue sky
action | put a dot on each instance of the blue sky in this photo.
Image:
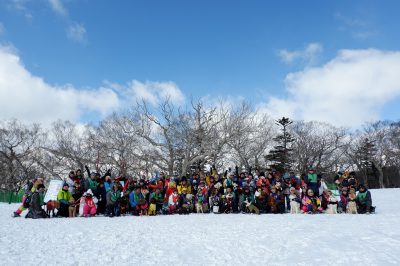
(206, 48)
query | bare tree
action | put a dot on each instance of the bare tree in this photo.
(18, 144)
(116, 144)
(252, 136)
(70, 147)
(318, 145)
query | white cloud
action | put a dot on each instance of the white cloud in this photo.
(364, 34)
(77, 32)
(307, 55)
(358, 28)
(155, 92)
(58, 7)
(348, 21)
(20, 6)
(348, 90)
(30, 99)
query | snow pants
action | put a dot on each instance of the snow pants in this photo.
(89, 210)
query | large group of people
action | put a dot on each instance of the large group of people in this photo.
(231, 192)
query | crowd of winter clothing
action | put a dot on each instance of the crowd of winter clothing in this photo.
(233, 192)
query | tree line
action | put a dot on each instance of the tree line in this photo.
(178, 141)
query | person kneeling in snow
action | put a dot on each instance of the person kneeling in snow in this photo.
(89, 207)
(35, 208)
(63, 196)
(136, 200)
(311, 203)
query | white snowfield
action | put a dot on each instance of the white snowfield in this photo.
(207, 239)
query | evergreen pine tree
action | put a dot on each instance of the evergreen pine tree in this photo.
(367, 151)
(279, 156)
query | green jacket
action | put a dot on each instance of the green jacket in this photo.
(64, 196)
(115, 195)
(312, 178)
(41, 197)
(93, 185)
(158, 198)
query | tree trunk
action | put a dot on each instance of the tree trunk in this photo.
(380, 177)
(171, 167)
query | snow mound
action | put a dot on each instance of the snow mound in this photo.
(206, 239)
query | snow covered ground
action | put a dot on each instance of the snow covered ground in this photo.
(209, 239)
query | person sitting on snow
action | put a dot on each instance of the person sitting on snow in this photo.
(35, 208)
(364, 200)
(30, 189)
(247, 201)
(311, 203)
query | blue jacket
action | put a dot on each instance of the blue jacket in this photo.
(134, 199)
(108, 186)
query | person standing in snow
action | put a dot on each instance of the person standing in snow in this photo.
(229, 198)
(350, 181)
(184, 185)
(173, 202)
(113, 199)
(102, 198)
(344, 200)
(322, 186)
(91, 181)
(312, 181)
(108, 183)
(70, 181)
